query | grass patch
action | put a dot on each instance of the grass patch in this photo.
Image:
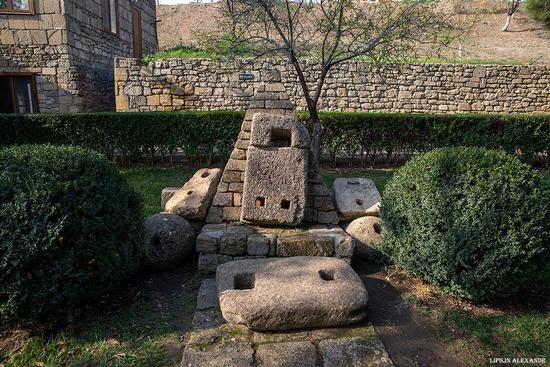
(181, 52)
(142, 329)
(191, 52)
(149, 182)
(379, 176)
(466, 61)
(524, 335)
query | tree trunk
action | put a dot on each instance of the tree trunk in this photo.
(315, 139)
(507, 24)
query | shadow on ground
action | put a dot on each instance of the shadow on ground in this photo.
(405, 334)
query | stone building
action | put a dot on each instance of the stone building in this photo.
(58, 55)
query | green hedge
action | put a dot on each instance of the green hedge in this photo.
(471, 220)
(129, 135)
(390, 136)
(368, 137)
(70, 229)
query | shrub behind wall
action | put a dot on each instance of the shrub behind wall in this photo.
(369, 137)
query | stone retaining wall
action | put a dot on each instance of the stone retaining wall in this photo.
(196, 84)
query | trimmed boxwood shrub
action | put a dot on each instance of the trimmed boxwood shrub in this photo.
(70, 229)
(470, 220)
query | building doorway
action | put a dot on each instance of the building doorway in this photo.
(137, 33)
(18, 94)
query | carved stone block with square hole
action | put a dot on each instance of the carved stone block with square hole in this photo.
(274, 191)
(291, 293)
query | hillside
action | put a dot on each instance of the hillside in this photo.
(526, 42)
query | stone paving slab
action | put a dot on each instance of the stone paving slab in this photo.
(215, 343)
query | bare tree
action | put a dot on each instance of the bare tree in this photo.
(317, 35)
(513, 6)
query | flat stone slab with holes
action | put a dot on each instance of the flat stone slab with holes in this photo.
(216, 343)
(292, 293)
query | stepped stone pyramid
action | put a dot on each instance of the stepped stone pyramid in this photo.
(227, 205)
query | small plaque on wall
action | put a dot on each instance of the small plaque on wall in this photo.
(247, 76)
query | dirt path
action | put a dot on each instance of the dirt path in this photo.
(406, 334)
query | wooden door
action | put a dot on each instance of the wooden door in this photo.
(137, 34)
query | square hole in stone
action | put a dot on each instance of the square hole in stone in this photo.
(260, 201)
(327, 275)
(281, 137)
(244, 281)
(285, 204)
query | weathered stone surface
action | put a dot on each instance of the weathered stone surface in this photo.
(292, 293)
(226, 345)
(194, 198)
(207, 244)
(291, 354)
(207, 318)
(356, 197)
(233, 243)
(274, 188)
(223, 199)
(416, 88)
(270, 130)
(354, 352)
(367, 233)
(166, 195)
(169, 241)
(258, 244)
(207, 297)
(231, 214)
(328, 217)
(209, 238)
(304, 244)
(209, 262)
(234, 355)
(276, 171)
(215, 215)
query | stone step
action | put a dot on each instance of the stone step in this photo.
(214, 343)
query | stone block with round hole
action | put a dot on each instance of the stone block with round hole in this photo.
(193, 199)
(356, 197)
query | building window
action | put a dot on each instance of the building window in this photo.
(110, 16)
(18, 94)
(17, 6)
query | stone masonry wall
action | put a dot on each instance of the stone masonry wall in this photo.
(63, 44)
(93, 50)
(38, 44)
(197, 84)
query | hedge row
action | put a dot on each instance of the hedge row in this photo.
(392, 136)
(129, 136)
(369, 137)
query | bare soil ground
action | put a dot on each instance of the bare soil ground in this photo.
(526, 41)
